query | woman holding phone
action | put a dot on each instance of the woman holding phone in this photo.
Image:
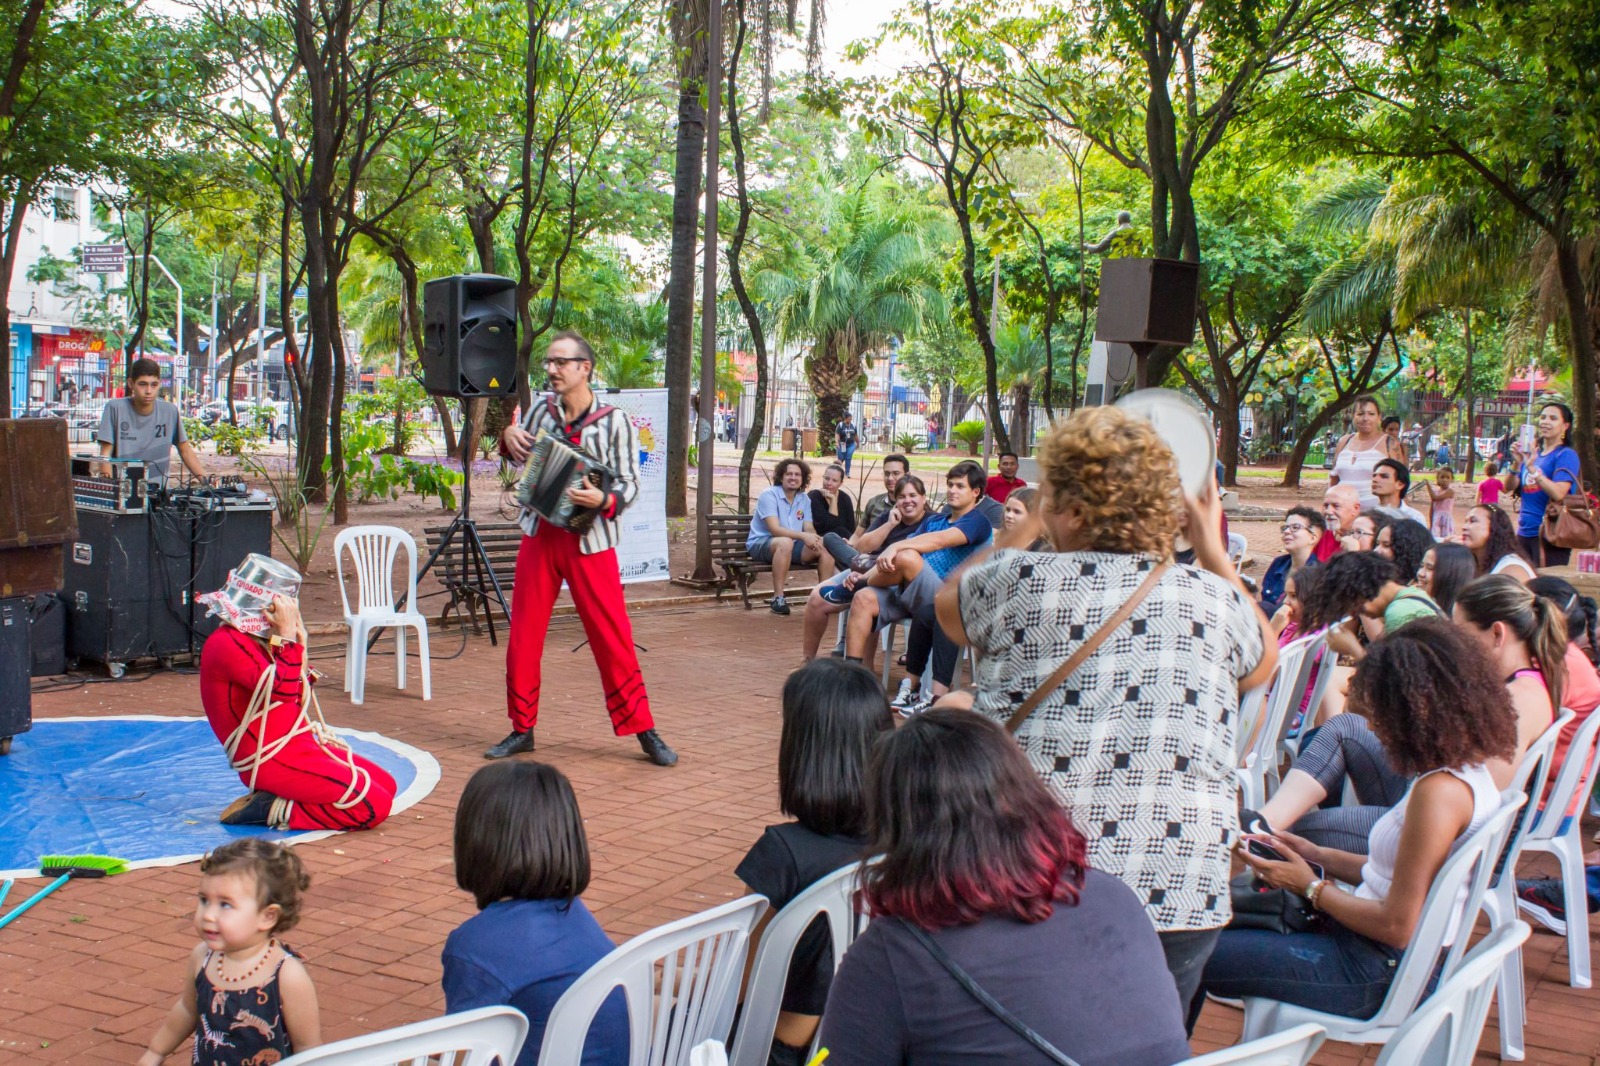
(1546, 475)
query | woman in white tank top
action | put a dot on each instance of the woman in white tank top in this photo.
(1428, 671)
(1357, 453)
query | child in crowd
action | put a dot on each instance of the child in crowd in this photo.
(522, 853)
(247, 997)
(1442, 509)
(833, 714)
(1490, 487)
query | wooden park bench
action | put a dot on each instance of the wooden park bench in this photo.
(501, 541)
(728, 535)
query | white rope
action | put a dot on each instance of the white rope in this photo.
(256, 714)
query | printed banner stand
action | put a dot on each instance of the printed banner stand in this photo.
(642, 551)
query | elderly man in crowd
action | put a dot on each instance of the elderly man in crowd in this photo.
(1341, 505)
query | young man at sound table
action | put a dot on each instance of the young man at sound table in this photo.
(587, 561)
(141, 425)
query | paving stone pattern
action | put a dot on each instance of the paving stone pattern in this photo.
(87, 975)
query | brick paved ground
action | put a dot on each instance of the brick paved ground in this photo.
(87, 975)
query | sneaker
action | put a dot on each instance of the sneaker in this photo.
(837, 594)
(514, 744)
(917, 706)
(1541, 899)
(908, 692)
(778, 605)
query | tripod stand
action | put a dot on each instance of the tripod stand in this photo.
(471, 580)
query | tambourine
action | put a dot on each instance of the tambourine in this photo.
(1184, 427)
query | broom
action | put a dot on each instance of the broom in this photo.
(66, 867)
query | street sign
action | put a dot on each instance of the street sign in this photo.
(103, 258)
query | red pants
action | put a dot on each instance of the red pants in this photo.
(543, 561)
(315, 781)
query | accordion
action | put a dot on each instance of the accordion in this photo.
(553, 467)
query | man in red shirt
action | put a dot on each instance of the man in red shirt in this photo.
(1006, 481)
(1341, 505)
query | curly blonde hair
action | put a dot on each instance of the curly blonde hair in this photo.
(1120, 476)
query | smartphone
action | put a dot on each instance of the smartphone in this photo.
(1262, 850)
(1525, 438)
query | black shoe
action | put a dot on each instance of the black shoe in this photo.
(657, 748)
(778, 605)
(252, 809)
(513, 744)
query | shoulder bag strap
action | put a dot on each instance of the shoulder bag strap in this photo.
(1086, 649)
(977, 992)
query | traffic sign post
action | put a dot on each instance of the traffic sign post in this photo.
(103, 258)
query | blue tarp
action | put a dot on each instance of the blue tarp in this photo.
(146, 789)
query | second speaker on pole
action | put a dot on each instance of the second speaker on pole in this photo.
(469, 336)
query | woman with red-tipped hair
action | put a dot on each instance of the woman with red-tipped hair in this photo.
(986, 923)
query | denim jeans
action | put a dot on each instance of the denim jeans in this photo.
(845, 454)
(1334, 970)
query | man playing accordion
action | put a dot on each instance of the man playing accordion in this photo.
(587, 561)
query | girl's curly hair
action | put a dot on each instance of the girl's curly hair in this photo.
(1349, 580)
(1434, 699)
(1119, 475)
(1410, 541)
(1502, 538)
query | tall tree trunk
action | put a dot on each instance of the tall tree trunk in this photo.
(688, 172)
(1582, 335)
(14, 212)
(758, 338)
(1021, 416)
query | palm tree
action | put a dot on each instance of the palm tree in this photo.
(627, 365)
(876, 279)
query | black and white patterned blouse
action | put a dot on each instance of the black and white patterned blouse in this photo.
(1138, 743)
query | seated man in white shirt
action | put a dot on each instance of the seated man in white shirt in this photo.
(1390, 483)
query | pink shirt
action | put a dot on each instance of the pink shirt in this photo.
(1489, 490)
(1580, 696)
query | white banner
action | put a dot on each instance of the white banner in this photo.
(642, 550)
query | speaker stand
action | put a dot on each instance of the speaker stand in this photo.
(476, 582)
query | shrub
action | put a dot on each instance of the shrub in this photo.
(908, 442)
(969, 433)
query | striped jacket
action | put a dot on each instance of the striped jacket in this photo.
(611, 439)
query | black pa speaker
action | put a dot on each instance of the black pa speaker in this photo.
(469, 336)
(1147, 301)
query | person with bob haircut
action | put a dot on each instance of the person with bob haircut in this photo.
(982, 870)
(1139, 741)
(521, 852)
(1302, 531)
(1491, 538)
(1441, 715)
(833, 714)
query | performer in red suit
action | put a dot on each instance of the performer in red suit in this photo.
(256, 691)
(586, 561)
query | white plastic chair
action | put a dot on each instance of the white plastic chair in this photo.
(1500, 902)
(696, 963)
(1237, 546)
(1446, 1029)
(1318, 688)
(1292, 1047)
(1260, 748)
(1575, 778)
(886, 642)
(471, 1038)
(834, 897)
(1471, 866)
(373, 549)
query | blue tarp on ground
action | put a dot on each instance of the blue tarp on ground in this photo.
(145, 788)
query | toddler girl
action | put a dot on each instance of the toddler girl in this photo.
(1442, 513)
(522, 853)
(1491, 486)
(247, 997)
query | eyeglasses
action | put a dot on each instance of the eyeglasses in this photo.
(1293, 527)
(558, 360)
(1361, 534)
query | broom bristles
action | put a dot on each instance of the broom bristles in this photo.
(62, 863)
